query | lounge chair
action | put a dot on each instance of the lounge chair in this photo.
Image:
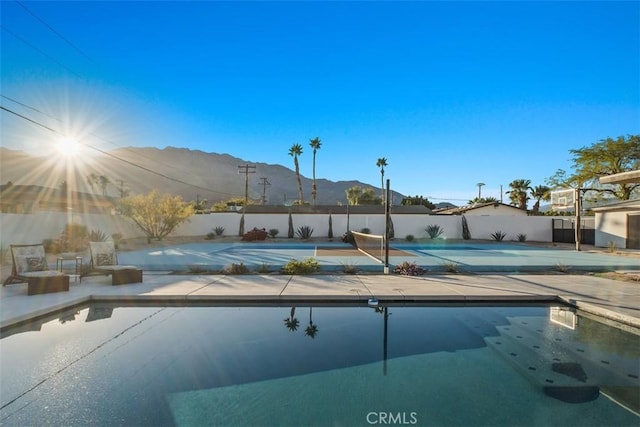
(104, 260)
(29, 264)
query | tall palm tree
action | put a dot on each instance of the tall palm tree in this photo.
(381, 163)
(540, 192)
(295, 151)
(315, 144)
(519, 193)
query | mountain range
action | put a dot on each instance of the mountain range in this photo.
(192, 174)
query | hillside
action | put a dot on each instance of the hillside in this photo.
(180, 171)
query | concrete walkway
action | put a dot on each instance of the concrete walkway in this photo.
(612, 299)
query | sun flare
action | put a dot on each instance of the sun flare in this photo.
(68, 147)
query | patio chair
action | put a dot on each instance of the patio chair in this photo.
(29, 264)
(104, 260)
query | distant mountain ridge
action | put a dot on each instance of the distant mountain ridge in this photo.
(192, 174)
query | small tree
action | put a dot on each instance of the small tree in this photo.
(155, 214)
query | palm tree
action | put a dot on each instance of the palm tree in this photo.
(295, 151)
(315, 144)
(104, 181)
(311, 330)
(291, 322)
(519, 192)
(381, 163)
(540, 192)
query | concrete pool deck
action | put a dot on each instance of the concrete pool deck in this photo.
(612, 299)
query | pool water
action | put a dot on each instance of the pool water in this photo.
(324, 365)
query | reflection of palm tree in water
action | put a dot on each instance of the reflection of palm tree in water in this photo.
(291, 322)
(311, 330)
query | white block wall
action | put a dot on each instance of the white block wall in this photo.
(33, 228)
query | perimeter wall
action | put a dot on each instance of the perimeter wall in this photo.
(33, 228)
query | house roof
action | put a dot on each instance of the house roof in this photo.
(625, 205)
(326, 209)
(463, 209)
(630, 177)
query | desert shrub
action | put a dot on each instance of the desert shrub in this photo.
(196, 268)
(273, 232)
(498, 236)
(450, 267)
(521, 237)
(304, 232)
(74, 238)
(365, 230)
(434, 231)
(51, 246)
(236, 269)
(263, 268)
(308, 266)
(409, 238)
(349, 268)
(219, 230)
(348, 238)
(210, 235)
(409, 269)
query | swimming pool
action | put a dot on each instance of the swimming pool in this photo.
(109, 364)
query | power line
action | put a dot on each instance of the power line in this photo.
(40, 51)
(106, 153)
(42, 21)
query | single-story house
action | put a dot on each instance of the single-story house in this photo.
(484, 209)
(619, 223)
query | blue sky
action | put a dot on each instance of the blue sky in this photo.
(451, 93)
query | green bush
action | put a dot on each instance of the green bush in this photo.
(365, 230)
(210, 235)
(219, 230)
(522, 237)
(409, 238)
(308, 266)
(273, 232)
(236, 269)
(348, 238)
(434, 231)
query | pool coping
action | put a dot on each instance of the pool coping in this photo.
(626, 321)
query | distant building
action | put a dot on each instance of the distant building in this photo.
(20, 199)
(490, 208)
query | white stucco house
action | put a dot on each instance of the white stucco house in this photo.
(619, 223)
(484, 209)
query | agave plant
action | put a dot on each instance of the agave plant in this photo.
(304, 232)
(434, 231)
(498, 236)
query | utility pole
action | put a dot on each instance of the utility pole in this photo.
(246, 170)
(121, 187)
(264, 182)
(480, 184)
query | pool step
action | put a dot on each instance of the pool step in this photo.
(564, 381)
(605, 368)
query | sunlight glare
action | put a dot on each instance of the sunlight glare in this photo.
(68, 147)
